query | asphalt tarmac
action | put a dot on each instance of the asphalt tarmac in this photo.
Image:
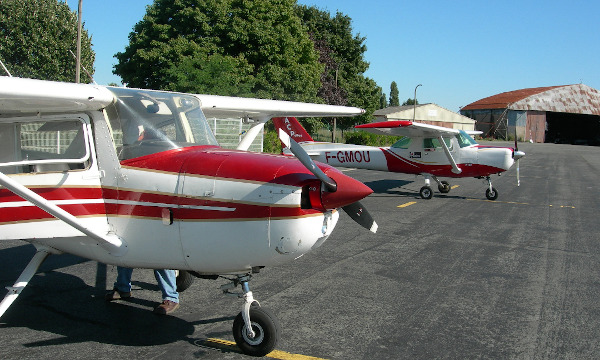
(454, 277)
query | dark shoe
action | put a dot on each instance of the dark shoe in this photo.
(166, 307)
(115, 294)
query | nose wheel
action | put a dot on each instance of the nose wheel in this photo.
(255, 329)
(490, 193)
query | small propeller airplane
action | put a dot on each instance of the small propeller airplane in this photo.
(427, 150)
(135, 178)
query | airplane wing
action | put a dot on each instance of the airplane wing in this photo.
(30, 95)
(406, 128)
(262, 110)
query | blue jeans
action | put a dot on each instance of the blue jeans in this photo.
(166, 282)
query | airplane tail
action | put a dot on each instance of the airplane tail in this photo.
(293, 128)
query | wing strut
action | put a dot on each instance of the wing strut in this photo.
(252, 134)
(112, 243)
(455, 168)
(23, 280)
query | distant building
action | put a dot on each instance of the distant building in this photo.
(562, 114)
(428, 114)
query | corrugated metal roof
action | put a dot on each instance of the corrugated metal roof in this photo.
(577, 99)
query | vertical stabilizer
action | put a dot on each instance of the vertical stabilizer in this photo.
(292, 127)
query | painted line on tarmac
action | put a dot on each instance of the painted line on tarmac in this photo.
(520, 203)
(227, 345)
(454, 187)
(407, 204)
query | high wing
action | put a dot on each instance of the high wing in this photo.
(406, 128)
(259, 109)
(19, 95)
(262, 110)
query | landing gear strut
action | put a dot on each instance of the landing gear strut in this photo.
(491, 193)
(255, 330)
(427, 193)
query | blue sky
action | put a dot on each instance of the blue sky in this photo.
(460, 51)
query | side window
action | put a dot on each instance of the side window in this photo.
(434, 143)
(402, 143)
(43, 145)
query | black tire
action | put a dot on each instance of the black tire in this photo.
(184, 280)
(491, 195)
(426, 192)
(444, 187)
(266, 328)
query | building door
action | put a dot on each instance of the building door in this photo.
(536, 126)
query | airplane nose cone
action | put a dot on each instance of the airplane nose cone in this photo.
(348, 190)
(518, 154)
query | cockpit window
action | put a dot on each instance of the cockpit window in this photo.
(403, 143)
(464, 139)
(431, 143)
(146, 122)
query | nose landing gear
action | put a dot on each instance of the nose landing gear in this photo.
(256, 330)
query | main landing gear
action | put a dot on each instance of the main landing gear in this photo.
(256, 330)
(427, 193)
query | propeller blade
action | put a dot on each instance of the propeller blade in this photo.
(518, 179)
(305, 159)
(360, 214)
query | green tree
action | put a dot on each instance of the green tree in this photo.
(383, 101)
(343, 56)
(36, 37)
(410, 101)
(226, 47)
(394, 94)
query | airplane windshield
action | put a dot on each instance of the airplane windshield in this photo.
(464, 139)
(146, 122)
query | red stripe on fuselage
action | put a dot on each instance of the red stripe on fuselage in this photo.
(397, 163)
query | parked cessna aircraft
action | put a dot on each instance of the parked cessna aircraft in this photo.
(426, 150)
(135, 178)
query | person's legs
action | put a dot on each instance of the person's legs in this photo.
(122, 287)
(167, 282)
(123, 283)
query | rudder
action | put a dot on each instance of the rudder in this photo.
(293, 128)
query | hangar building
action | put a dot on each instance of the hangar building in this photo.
(431, 114)
(562, 114)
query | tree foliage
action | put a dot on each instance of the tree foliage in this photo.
(394, 94)
(35, 39)
(410, 101)
(342, 53)
(227, 47)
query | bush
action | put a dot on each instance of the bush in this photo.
(368, 139)
(271, 142)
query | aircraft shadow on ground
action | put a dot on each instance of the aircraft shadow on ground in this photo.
(394, 187)
(63, 304)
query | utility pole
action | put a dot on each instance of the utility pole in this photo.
(78, 57)
(334, 119)
(415, 102)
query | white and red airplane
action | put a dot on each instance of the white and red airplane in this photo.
(428, 150)
(135, 178)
